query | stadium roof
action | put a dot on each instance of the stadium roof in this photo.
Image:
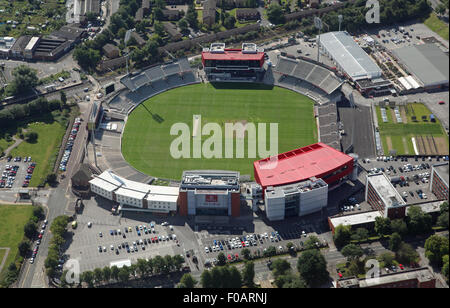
(427, 61)
(233, 54)
(349, 55)
(301, 164)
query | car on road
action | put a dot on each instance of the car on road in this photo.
(441, 103)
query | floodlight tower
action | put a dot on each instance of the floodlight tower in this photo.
(127, 38)
(340, 18)
(318, 24)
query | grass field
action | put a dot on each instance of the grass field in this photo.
(437, 25)
(398, 135)
(50, 129)
(146, 140)
(12, 220)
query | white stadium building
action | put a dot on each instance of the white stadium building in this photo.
(135, 196)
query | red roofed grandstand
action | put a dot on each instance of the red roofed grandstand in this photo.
(224, 64)
(317, 160)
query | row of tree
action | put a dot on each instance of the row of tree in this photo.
(417, 222)
(30, 231)
(58, 228)
(143, 268)
(39, 106)
(354, 14)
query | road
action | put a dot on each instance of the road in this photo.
(33, 275)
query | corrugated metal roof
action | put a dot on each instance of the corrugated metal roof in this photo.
(427, 62)
(349, 55)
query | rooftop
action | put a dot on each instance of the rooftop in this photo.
(349, 55)
(302, 187)
(301, 164)
(390, 196)
(124, 187)
(442, 171)
(211, 179)
(427, 62)
(355, 219)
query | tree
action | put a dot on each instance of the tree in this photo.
(115, 272)
(269, 251)
(229, 22)
(248, 274)
(418, 221)
(124, 274)
(86, 57)
(38, 212)
(188, 281)
(98, 275)
(87, 277)
(51, 178)
(361, 234)
(25, 79)
(310, 243)
(342, 235)
(406, 254)
(280, 267)
(382, 226)
(445, 267)
(312, 267)
(206, 279)
(106, 273)
(183, 25)
(177, 261)
(442, 220)
(387, 258)
(275, 14)
(352, 252)
(234, 277)
(30, 229)
(436, 247)
(24, 248)
(395, 241)
(191, 16)
(142, 267)
(159, 28)
(399, 226)
(63, 98)
(31, 137)
(245, 253)
(222, 260)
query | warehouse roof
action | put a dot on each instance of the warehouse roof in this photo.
(301, 164)
(349, 55)
(427, 61)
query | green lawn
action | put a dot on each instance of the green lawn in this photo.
(437, 25)
(396, 131)
(45, 150)
(12, 220)
(146, 140)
